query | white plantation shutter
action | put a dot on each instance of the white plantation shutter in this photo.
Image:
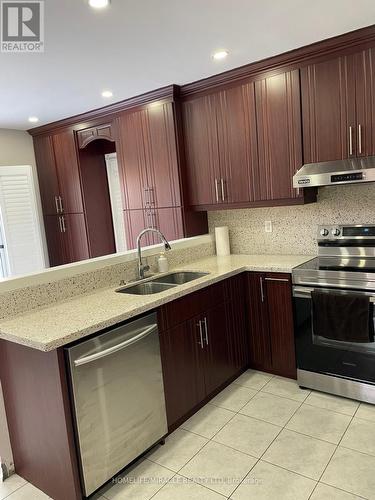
(116, 201)
(20, 221)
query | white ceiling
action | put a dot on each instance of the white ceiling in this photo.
(139, 45)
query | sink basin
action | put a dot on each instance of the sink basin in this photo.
(179, 278)
(148, 288)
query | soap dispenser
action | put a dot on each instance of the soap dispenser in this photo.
(163, 265)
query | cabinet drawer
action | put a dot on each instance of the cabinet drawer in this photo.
(191, 305)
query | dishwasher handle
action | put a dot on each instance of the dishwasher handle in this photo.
(115, 348)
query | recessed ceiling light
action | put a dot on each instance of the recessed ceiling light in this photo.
(98, 4)
(33, 119)
(220, 54)
(107, 93)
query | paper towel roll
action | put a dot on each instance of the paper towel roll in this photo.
(222, 241)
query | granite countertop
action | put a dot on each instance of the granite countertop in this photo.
(56, 325)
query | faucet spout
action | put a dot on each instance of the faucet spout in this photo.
(142, 268)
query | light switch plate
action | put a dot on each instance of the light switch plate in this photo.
(268, 226)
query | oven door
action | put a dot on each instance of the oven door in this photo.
(317, 354)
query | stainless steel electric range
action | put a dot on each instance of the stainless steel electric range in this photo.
(342, 274)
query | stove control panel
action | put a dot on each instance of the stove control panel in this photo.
(353, 232)
(329, 232)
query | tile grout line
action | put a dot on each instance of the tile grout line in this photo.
(17, 489)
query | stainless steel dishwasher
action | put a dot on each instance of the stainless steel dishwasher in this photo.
(118, 396)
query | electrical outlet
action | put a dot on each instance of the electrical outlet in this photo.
(268, 226)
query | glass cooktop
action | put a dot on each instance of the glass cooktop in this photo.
(350, 264)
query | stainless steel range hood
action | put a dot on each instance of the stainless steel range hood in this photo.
(351, 171)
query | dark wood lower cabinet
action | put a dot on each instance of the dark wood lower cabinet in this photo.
(203, 346)
(270, 320)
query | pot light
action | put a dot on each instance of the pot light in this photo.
(107, 94)
(98, 4)
(33, 119)
(220, 54)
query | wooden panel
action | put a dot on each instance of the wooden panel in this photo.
(97, 200)
(328, 109)
(280, 314)
(279, 135)
(365, 102)
(257, 319)
(131, 159)
(84, 137)
(217, 361)
(182, 370)
(161, 156)
(47, 175)
(68, 172)
(39, 419)
(135, 222)
(235, 304)
(238, 143)
(75, 238)
(170, 222)
(105, 132)
(201, 146)
(55, 242)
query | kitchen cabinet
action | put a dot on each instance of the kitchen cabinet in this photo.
(148, 158)
(202, 349)
(66, 238)
(104, 131)
(338, 107)
(47, 174)
(270, 320)
(244, 144)
(278, 110)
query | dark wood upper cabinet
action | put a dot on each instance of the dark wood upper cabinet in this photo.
(328, 110)
(148, 158)
(85, 136)
(278, 105)
(237, 141)
(47, 174)
(68, 171)
(364, 66)
(201, 149)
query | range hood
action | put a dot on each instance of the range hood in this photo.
(351, 171)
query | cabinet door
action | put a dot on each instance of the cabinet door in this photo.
(259, 339)
(75, 238)
(235, 304)
(161, 156)
(215, 335)
(47, 175)
(328, 110)
(365, 102)
(238, 144)
(169, 222)
(68, 171)
(132, 160)
(181, 357)
(280, 313)
(135, 222)
(278, 104)
(55, 241)
(201, 147)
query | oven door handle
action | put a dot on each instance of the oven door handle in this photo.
(304, 292)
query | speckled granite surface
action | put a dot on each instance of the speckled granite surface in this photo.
(295, 228)
(50, 327)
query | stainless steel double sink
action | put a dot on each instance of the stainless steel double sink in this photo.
(161, 283)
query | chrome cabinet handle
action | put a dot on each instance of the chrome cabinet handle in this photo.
(205, 329)
(63, 224)
(115, 348)
(360, 139)
(285, 280)
(61, 205)
(199, 325)
(261, 288)
(60, 224)
(57, 205)
(222, 189)
(350, 141)
(147, 197)
(217, 190)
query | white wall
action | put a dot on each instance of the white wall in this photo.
(16, 148)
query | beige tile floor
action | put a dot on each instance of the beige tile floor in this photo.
(261, 438)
